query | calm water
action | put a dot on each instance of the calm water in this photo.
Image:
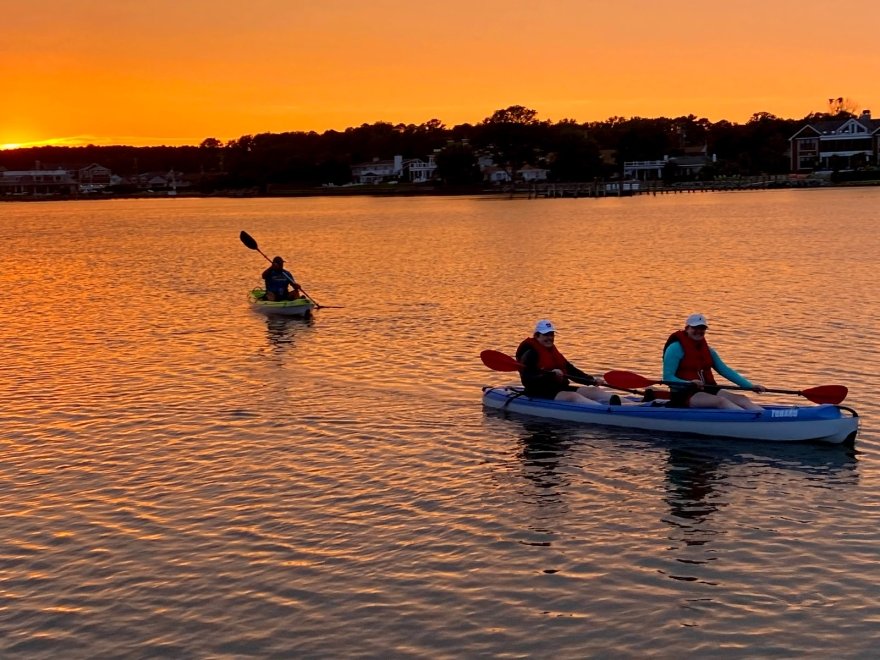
(180, 477)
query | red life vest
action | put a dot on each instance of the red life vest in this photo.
(548, 358)
(697, 361)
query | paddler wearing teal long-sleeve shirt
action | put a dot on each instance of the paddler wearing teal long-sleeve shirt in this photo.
(689, 360)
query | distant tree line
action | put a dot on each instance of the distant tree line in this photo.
(513, 137)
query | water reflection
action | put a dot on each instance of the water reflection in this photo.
(541, 447)
(834, 463)
(691, 478)
(703, 478)
(543, 454)
(282, 330)
(353, 451)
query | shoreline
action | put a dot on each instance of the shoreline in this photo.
(531, 191)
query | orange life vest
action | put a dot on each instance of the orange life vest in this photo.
(548, 358)
(697, 362)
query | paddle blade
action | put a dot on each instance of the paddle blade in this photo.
(248, 240)
(498, 361)
(826, 394)
(626, 380)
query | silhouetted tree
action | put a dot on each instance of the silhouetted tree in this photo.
(644, 139)
(574, 155)
(212, 155)
(457, 165)
(513, 137)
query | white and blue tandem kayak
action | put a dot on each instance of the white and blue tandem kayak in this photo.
(301, 307)
(775, 423)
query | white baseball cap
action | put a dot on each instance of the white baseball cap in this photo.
(544, 326)
(696, 319)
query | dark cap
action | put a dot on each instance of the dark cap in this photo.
(277, 260)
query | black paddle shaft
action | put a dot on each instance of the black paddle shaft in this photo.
(250, 243)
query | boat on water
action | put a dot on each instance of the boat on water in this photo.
(301, 307)
(826, 423)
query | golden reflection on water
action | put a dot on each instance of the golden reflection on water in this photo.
(786, 279)
(167, 435)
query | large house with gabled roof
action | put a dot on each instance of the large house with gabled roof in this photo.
(414, 170)
(844, 143)
(37, 182)
(56, 180)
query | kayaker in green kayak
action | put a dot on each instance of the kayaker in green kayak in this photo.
(280, 284)
(688, 359)
(547, 372)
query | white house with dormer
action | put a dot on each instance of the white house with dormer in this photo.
(414, 170)
(377, 171)
(495, 174)
(530, 173)
(417, 170)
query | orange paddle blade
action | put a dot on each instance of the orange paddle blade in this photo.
(825, 394)
(498, 361)
(627, 380)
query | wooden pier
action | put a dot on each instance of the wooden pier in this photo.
(630, 188)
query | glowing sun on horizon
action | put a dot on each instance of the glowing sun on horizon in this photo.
(22, 142)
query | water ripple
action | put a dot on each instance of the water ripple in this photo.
(180, 477)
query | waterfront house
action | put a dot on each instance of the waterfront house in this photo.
(416, 170)
(377, 171)
(93, 178)
(413, 170)
(836, 144)
(530, 173)
(495, 174)
(690, 164)
(37, 182)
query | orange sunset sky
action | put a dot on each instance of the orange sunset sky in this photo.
(161, 72)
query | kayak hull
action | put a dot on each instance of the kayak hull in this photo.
(301, 307)
(823, 423)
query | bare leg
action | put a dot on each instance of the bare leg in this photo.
(739, 400)
(575, 397)
(706, 400)
(595, 393)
